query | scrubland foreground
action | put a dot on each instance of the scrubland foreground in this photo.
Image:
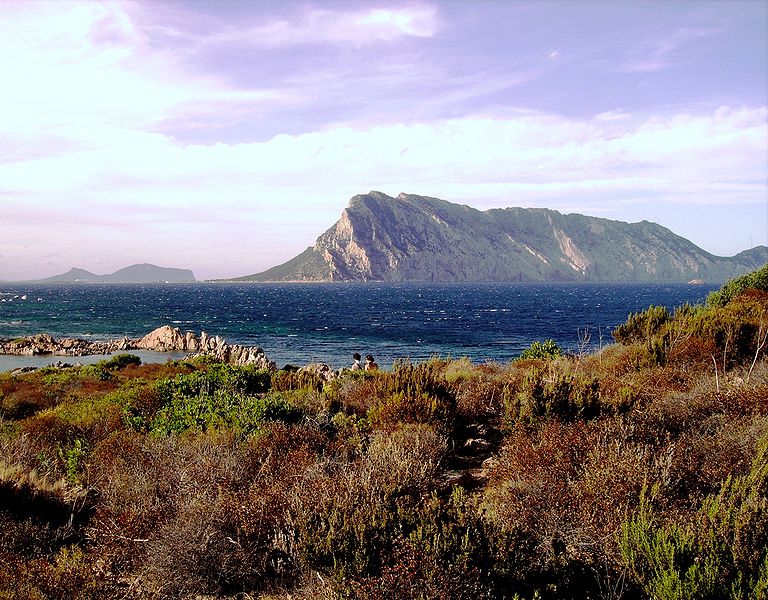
(639, 471)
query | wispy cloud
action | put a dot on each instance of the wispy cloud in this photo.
(69, 69)
(312, 25)
(664, 52)
(530, 157)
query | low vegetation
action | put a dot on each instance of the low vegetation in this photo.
(640, 471)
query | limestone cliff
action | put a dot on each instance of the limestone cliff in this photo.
(418, 238)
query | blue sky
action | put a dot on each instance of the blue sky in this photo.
(225, 136)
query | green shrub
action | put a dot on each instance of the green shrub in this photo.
(460, 370)
(665, 559)
(288, 379)
(642, 326)
(723, 553)
(72, 458)
(120, 361)
(552, 394)
(546, 349)
(757, 280)
(411, 393)
(443, 558)
(733, 328)
(222, 410)
(219, 376)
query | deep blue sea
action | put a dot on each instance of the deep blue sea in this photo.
(319, 322)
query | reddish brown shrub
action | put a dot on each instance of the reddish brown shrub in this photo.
(357, 395)
(479, 398)
(24, 396)
(692, 353)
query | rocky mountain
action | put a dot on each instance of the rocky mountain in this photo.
(418, 238)
(144, 273)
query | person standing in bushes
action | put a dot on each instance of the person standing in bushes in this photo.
(370, 363)
(356, 366)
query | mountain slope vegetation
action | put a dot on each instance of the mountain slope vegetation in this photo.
(418, 238)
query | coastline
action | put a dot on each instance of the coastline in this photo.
(12, 362)
(162, 340)
(304, 323)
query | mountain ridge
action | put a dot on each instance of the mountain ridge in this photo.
(138, 273)
(421, 238)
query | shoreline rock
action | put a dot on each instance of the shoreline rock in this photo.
(162, 339)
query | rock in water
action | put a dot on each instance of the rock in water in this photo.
(167, 339)
(162, 339)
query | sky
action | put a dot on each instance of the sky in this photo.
(224, 136)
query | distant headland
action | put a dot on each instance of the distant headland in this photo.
(419, 238)
(142, 273)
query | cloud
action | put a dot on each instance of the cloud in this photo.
(311, 25)
(97, 98)
(260, 203)
(713, 153)
(664, 52)
(415, 21)
(70, 69)
(320, 25)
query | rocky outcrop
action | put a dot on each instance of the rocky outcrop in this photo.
(417, 238)
(168, 339)
(43, 344)
(162, 339)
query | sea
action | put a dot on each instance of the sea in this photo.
(299, 323)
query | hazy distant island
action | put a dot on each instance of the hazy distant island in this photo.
(143, 273)
(418, 238)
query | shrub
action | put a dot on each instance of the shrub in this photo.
(724, 550)
(460, 370)
(532, 515)
(642, 326)
(735, 328)
(666, 559)
(412, 394)
(165, 511)
(72, 458)
(66, 576)
(346, 519)
(222, 409)
(22, 397)
(755, 280)
(121, 361)
(479, 398)
(443, 558)
(289, 379)
(218, 376)
(400, 407)
(547, 349)
(552, 393)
